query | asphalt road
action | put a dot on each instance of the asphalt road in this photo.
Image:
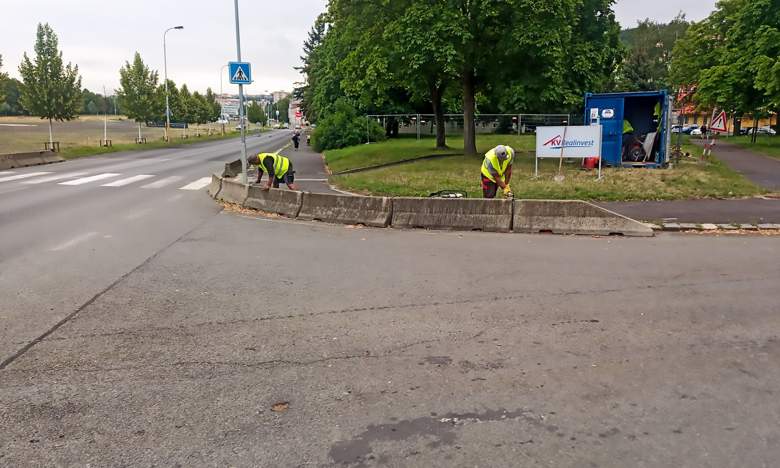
(70, 230)
(264, 342)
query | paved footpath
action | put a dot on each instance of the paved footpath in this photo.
(310, 173)
(759, 169)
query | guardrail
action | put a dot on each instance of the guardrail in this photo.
(524, 216)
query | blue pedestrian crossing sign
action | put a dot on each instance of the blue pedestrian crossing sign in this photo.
(240, 72)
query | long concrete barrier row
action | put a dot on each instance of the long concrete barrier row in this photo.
(526, 216)
(36, 158)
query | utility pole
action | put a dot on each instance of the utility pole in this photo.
(244, 166)
(165, 66)
(105, 117)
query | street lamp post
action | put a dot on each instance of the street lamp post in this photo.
(165, 66)
(221, 99)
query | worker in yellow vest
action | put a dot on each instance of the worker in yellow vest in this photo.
(278, 167)
(628, 137)
(497, 171)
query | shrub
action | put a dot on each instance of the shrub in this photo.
(344, 127)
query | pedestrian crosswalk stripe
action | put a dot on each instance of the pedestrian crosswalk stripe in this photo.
(23, 176)
(66, 175)
(6, 172)
(127, 181)
(162, 182)
(86, 180)
(198, 184)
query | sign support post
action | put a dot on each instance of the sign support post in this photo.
(244, 165)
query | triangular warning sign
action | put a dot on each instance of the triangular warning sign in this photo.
(239, 75)
(718, 124)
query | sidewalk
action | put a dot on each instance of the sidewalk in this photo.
(759, 169)
(310, 174)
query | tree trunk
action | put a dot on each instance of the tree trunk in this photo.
(438, 112)
(51, 137)
(754, 136)
(469, 130)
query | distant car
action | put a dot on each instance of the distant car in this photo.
(766, 131)
(690, 128)
(677, 128)
(695, 132)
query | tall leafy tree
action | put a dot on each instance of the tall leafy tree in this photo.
(256, 114)
(12, 91)
(214, 109)
(729, 56)
(649, 54)
(138, 95)
(50, 89)
(185, 107)
(3, 79)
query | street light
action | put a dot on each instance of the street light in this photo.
(221, 99)
(165, 65)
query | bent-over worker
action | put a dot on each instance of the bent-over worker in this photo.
(278, 167)
(497, 171)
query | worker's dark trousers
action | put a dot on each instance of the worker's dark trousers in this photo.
(628, 139)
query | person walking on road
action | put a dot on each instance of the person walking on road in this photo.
(497, 171)
(296, 139)
(278, 167)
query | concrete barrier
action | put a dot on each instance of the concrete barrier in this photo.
(573, 217)
(345, 209)
(215, 186)
(284, 202)
(233, 191)
(10, 161)
(232, 169)
(456, 214)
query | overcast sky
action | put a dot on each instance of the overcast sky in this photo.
(100, 35)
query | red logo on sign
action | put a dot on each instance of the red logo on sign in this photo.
(555, 141)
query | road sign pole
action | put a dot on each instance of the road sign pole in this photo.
(244, 165)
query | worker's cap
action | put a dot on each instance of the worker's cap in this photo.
(501, 151)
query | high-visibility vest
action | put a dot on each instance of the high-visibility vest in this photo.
(281, 164)
(657, 110)
(627, 127)
(491, 159)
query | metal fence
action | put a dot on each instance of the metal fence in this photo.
(424, 125)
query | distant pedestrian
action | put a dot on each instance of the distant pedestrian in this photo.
(296, 139)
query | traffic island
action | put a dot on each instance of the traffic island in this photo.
(525, 216)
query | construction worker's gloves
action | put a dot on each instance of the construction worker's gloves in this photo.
(508, 192)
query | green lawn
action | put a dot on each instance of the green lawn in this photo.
(691, 179)
(409, 148)
(765, 144)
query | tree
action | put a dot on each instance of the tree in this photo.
(729, 57)
(256, 114)
(283, 107)
(12, 91)
(50, 90)
(215, 109)
(650, 46)
(138, 95)
(3, 79)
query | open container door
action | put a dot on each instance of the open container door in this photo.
(609, 110)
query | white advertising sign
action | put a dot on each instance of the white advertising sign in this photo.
(575, 142)
(579, 142)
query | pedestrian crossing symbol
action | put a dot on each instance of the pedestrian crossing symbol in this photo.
(240, 72)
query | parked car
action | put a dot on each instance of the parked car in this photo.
(690, 128)
(766, 131)
(677, 128)
(695, 132)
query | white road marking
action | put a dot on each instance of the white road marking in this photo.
(16, 125)
(76, 240)
(86, 180)
(163, 182)
(66, 175)
(6, 172)
(23, 176)
(311, 180)
(198, 184)
(127, 181)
